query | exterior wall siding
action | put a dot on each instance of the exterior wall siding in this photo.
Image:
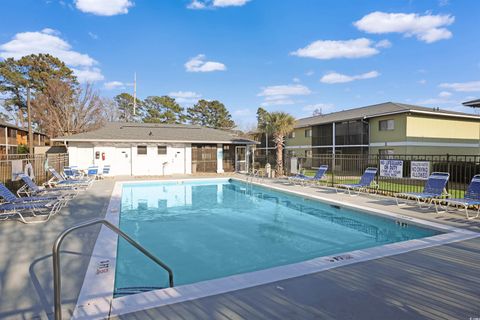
(300, 139)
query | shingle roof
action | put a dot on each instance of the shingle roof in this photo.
(155, 132)
(4, 123)
(472, 103)
(376, 110)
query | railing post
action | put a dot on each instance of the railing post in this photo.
(57, 284)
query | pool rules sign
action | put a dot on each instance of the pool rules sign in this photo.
(420, 170)
(391, 168)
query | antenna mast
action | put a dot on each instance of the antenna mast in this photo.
(134, 93)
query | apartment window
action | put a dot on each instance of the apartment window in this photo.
(292, 135)
(308, 153)
(308, 133)
(162, 150)
(141, 150)
(386, 125)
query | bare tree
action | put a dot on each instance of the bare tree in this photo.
(61, 110)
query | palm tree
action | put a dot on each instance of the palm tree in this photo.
(279, 124)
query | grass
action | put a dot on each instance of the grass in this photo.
(388, 186)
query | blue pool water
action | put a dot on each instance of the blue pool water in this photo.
(210, 229)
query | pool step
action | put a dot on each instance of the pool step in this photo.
(134, 290)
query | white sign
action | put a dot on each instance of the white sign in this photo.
(420, 170)
(391, 168)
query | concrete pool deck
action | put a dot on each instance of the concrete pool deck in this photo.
(438, 283)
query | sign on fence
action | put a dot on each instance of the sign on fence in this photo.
(420, 170)
(391, 168)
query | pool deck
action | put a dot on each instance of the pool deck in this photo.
(436, 283)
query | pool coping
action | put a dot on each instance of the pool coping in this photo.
(96, 296)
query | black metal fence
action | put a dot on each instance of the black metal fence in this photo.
(396, 173)
(10, 164)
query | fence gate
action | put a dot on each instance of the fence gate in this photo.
(241, 159)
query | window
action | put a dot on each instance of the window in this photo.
(141, 149)
(308, 133)
(308, 153)
(292, 135)
(386, 125)
(162, 149)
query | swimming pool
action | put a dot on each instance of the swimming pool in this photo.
(211, 229)
(221, 235)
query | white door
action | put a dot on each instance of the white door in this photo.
(123, 162)
(177, 165)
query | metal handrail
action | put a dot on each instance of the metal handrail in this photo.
(57, 286)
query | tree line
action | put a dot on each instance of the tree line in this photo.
(60, 105)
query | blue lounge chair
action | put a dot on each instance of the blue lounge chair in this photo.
(72, 173)
(366, 182)
(92, 172)
(434, 188)
(105, 171)
(30, 188)
(303, 179)
(58, 179)
(10, 197)
(33, 208)
(471, 198)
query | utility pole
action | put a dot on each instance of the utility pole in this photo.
(29, 116)
(134, 94)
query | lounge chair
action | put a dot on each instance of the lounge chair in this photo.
(434, 188)
(30, 188)
(366, 182)
(72, 173)
(92, 172)
(303, 179)
(471, 198)
(58, 179)
(10, 197)
(35, 209)
(105, 172)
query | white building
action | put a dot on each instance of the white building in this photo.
(146, 149)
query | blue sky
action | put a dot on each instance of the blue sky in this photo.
(289, 55)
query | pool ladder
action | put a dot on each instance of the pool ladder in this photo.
(57, 301)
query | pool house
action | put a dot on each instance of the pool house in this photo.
(149, 149)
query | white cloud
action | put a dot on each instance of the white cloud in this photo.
(472, 86)
(93, 35)
(104, 7)
(199, 64)
(48, 41)
(282, 94)
(228, 3)
(422, 81)
(196, 5)
(114, 85)
(444, 94)
(330, 49)
(185, 96)
(88, 74)
(204, 4)
(383, 44)
(334, 77)
(428, 28)
(310, 73)
(296, 80)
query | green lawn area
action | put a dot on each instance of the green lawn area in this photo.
(406, 185)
